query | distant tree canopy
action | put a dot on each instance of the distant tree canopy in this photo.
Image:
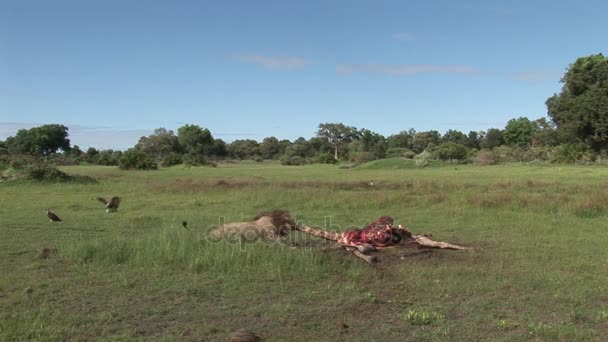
(39, 141)
(576, 130)
(337, 134)
(520, 131)
(195, 139)
(580, 110)
(159, 144)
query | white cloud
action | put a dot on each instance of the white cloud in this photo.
(271, 62)
(405, 69)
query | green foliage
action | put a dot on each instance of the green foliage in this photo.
(451, 151)
(195, 139)
(161, 143)
(270, 148)
(581, 108)
(44, 172)
(48, 173)
(520, 131)
(455, 136)
(422, 140)
(325, 158)
(243, 149)
(194, 159)
(569, 153)
(423, 159)
(133, 159)
(491, 139)
(108, 157)
(400, 152)
(39, 141)
(403, 139)
(337, 134)
(294, 160)
(359, 158)
(172, 159)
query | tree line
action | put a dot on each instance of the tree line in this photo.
(576, 130)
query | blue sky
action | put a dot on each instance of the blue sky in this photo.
(114, 70)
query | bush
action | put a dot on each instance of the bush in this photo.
(257, 158)
(485, 157)
(359, 158)
(136, 160)
(568, 153)
(194, 159)
(451, 151)
(423, 159)
(295, 160)
(48, 173)
(400, 152)
(326, 158)
(172, 159)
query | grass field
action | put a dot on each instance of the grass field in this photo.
(539, 270)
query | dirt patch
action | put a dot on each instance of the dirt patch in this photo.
(47, 252)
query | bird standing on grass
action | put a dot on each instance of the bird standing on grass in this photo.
(371, 184)
(185, 225)
(112, 204)
(52, 216)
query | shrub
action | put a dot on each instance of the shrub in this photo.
(485, 157)
(325, 158)
(136, 160)
(172, 159)
(194, 159)
(568, 153)
(400, 152)
(295, 160)
(257, 158)
(359, 158)
(451, 151)
(48, 173)
(423, 159)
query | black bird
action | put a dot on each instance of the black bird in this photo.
(52, 217)
(185, 225)
(112, 204)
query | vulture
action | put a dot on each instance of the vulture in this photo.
(52, 216)
(185, 225)
(112, 204)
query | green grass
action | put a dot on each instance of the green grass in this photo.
(539, 270)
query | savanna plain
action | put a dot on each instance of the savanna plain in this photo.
(538, 269)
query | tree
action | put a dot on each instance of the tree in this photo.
(473, 139)
(422, 140)
(42, 140)
(519, 132)
(136, 160)
(270, 148)
(159, 144)
(455, 136)
(91, 155)
(580, 110)
(243, 149)
(546, 135)
(451, 151)
(195, 139)
(403, 139)
(337, 134)
(492, 138)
